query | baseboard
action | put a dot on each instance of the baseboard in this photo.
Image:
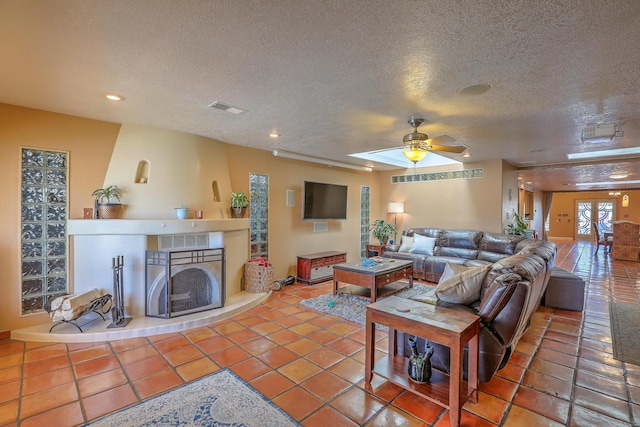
(5, 335)
(560, 239)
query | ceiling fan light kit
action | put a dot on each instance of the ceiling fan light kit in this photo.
(414, 154)
(417, 144)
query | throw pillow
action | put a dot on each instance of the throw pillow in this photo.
(463, 288)
(451, 270)
(406, 245)
(423, 245)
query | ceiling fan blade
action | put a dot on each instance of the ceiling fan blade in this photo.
(448, 148)
(441, 140)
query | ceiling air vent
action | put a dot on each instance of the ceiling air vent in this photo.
(226, 107)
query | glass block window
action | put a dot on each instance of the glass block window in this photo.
(365, 218)
(44, 205)
(438, 176)
(259, 215)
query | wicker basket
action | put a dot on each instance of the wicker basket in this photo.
(257, 277)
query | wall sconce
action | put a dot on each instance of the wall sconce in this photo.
(395, 208)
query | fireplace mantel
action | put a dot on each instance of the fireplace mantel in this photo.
(152, 227)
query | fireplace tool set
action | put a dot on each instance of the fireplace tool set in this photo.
(117, 311)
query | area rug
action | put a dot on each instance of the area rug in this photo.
(353, 308)
(625, 329)
(219, 399)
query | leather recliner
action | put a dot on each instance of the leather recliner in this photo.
(511, 293)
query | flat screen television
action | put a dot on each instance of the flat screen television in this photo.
(324, 201)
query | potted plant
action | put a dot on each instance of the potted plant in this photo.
(105, 204)
(382, 230)
(519, 227)
(239, 204)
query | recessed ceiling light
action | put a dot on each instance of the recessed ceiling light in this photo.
(274, 134)
(113, 96)
(466, 155)
(619, 175)
(474, 90)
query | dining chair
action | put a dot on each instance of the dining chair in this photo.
(602, 240)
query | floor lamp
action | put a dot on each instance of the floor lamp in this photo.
(395, 208)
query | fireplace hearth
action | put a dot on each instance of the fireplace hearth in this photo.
(184, 282)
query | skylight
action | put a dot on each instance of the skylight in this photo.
(396, 158)
(604, 153)
(607, 183)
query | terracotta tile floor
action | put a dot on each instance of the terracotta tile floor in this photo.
(312, 366)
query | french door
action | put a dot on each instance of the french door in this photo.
(602, 212)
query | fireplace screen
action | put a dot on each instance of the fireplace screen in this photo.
(184, 282)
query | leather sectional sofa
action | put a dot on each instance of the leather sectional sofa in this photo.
(510, 294)
(470, 248)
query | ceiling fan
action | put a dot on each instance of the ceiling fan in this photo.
(418, 144)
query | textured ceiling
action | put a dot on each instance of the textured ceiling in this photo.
(336, 77)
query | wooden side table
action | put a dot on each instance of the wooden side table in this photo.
(375, 250)
(442, 325)
(318, 267)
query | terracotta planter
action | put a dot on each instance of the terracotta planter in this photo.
(238, 212)
(109, 210)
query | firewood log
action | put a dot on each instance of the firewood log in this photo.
(69, 307)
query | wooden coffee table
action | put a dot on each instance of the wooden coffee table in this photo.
(442, 325)
(374, 282)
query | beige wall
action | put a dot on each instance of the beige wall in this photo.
(538, 221)
(89, 143)
(562, 216)
(182, 168)
(289, 235)
(470, 203)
